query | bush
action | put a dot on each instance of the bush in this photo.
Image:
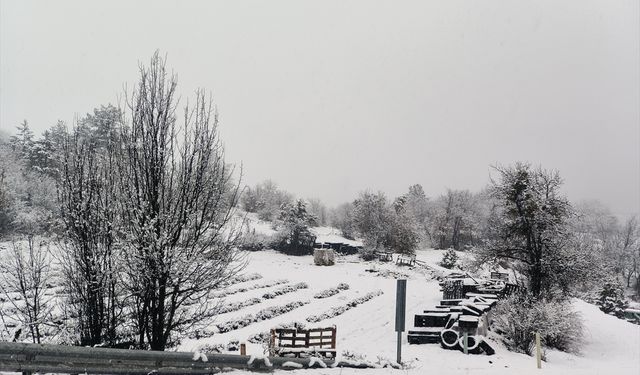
(518, 317)
(449, 259)
(611, 299)
(256, 242)
(369, 250)
(331, 291)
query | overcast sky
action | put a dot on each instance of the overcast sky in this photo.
(330, 98)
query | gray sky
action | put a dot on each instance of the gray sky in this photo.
(328, 98)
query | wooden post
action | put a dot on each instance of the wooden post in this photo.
(538, 350)
(333, 337)
(272, 342)
(465, 343)
(243, 349)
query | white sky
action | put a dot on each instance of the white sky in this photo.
(328, 98)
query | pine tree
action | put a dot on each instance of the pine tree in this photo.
(295, 237)
(22, 143)
(449, 259)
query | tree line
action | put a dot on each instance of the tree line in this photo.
(521, 220)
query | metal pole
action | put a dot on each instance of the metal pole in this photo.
(538, 350)
(399, 359)
(401, 301)
(465, 342)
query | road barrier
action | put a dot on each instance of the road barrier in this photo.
(46, 358)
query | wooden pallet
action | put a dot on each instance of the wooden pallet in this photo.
(303, 342)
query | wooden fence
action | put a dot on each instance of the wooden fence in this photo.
(44, 358)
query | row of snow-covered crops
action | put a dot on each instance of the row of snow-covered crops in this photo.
(455, 321)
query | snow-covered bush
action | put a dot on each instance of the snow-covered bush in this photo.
(261, 315)
(256, 242)
(229, 292)
(233, 346)
(285, 290)
(339, 310)
(331, 291)
(244, 278)
(326, 293)
(518, 317)
(238, 305)
(449, 259)
(611, 299)
(368, 251)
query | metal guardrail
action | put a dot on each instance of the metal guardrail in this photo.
(30, 358)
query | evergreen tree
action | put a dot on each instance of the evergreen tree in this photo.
(449, 259)
(295, 237)
(22, 143)
(529, 228)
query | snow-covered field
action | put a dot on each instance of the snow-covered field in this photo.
(282, 289)
(367, 330)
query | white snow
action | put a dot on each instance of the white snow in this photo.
(366, 331)
(316, 361)
(260, 358)
(329, 234)
(292, 364)
(200, 356)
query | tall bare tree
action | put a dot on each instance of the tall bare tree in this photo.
(177, 201)
(24, 272)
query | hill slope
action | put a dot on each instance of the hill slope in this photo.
(367, 330)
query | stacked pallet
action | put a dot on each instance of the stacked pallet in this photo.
(456, 324)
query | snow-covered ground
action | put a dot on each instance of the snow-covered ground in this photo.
(367, 330)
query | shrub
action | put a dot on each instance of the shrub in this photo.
(518, 317)
(256, 242)
(449, 259)
(369, 250)
(611, 299)
(331, 291)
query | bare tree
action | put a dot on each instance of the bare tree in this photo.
(177, 202)
(24, 272)
(89, 260)
(628, 250)
(456, 218)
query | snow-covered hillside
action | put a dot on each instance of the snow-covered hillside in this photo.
(367, 330)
